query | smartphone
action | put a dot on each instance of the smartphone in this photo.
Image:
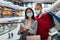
(22, 27)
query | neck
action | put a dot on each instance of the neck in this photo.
(30, 19)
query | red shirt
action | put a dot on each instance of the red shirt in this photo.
(44, 25)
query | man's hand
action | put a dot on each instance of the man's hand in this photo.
(40, 15)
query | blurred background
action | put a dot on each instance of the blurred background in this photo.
(13, 11)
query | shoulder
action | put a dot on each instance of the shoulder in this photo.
(46, 15)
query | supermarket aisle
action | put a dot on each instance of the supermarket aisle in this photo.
(15, 37)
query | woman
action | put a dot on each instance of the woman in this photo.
(30, 25)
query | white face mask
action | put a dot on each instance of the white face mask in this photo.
(37, 12)
(29, 15)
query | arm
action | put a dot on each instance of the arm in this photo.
(34, 29)
(21, 27)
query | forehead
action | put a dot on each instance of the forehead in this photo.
(29, 10)
(38, 6)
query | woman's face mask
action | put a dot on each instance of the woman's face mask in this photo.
(29, 15)
(37, 12)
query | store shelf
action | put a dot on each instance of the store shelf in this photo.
(8, 27)
(51, 34)
(9, 22)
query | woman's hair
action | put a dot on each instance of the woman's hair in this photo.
(26, 17)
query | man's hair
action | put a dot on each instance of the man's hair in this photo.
(39, 4)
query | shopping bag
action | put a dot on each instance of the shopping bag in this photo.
(55, 16)
(34, 37)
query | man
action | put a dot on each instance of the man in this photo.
(44, 22)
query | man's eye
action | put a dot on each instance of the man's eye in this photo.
(35, 9)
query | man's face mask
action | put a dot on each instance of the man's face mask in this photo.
(37, 12)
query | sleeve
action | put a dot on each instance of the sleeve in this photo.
(22, 23)
(34, 29)
(46, 21)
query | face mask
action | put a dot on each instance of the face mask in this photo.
(29, 15)
(37, 12)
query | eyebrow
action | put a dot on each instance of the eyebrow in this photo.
(37, 8)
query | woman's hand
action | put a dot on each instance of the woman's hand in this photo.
(26, 28)
(21, 29)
